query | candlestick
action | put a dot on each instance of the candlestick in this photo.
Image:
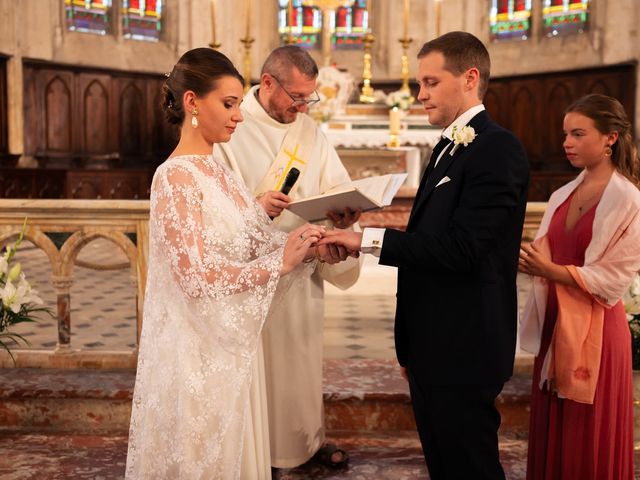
(214, 43)
(290, 40)
(366, 96)
(247, 62)
(248, 32)
(405, 22)
(405, 65)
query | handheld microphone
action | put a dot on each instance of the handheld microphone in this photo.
(289, 181)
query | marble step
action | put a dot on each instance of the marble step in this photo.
(389, 455)
(360, 395)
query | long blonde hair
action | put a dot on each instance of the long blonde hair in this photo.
(609, 116)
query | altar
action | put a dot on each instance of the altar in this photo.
(361, 140)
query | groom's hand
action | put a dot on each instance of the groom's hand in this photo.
(350, 240)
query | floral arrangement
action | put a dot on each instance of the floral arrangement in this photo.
(19, 300)
(632, 306)
(399, 99)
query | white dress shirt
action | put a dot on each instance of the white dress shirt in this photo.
(372, 238)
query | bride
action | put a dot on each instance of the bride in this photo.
(215, 267)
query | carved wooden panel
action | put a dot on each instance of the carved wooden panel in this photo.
(23, 183)
(93, 90)
(132, 118)
(85, 185)
(533, 108)
(82, 117)
(558, 95)
(164, 136)
(4, 139)
(523, 115)
(495, 102)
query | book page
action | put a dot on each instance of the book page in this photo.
(381, 189)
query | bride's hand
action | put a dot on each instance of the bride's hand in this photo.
(297, 247)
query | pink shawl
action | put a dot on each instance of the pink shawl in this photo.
(611, 261)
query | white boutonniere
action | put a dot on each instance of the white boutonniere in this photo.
(463, 136)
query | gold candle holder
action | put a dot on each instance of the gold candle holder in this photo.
(366, 95)
(405, 64)
(247, 41)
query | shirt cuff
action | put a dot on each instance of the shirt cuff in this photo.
(372, 239)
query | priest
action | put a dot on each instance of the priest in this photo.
(275, 137)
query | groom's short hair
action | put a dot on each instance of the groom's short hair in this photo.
(461, 51)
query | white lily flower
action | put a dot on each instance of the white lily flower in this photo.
(29, 295)
(14, 273)
(4, 266)
(10, 298)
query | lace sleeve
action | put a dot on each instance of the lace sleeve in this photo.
(202, 263)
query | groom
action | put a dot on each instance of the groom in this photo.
(455, 327)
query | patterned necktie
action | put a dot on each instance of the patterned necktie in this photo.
(435, 153)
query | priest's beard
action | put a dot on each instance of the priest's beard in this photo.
(276, 112)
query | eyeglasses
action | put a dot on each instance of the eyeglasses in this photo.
(298, 102)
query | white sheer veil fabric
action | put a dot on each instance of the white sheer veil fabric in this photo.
(214, 263)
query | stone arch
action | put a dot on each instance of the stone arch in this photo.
(40, 240)
(78, 240)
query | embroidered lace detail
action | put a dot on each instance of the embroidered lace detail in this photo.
(214, 262)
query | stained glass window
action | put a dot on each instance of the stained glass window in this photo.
(142, 19)
(565, 16)
(89, 16)
(350, 24)
(306, 23)
(510, 19)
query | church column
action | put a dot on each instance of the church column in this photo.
(62, 286)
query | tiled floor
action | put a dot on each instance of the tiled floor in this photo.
(358, 321)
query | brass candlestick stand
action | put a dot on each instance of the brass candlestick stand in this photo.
(215, 45)
(366, 96)
(405, 64)
(247, 41)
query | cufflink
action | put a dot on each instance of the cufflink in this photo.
(375, 243)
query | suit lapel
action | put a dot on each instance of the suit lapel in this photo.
(479, 122)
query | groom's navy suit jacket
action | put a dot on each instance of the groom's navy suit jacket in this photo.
(457, 262)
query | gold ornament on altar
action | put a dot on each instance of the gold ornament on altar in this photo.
(327, 7)
(366, 95)
(247, 41)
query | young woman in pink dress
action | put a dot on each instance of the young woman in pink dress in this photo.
(586, 254)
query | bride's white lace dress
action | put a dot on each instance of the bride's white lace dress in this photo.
(214, 261)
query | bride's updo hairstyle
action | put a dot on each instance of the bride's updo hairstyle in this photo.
(197, 70)
(608, 116)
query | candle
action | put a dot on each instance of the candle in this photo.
(437, 18)
(290, 20)
(248, 33)
(406, 19)
(394, 121)
(369, 9)
(213, 22)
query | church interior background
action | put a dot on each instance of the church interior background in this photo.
(81, 134)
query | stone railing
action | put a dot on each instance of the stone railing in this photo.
(79, 222)
(82, 221)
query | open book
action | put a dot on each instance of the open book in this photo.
(364, 194)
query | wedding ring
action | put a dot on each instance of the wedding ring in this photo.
(302, 237)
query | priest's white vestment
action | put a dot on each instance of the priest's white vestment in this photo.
(292, 338)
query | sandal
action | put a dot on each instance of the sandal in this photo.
(324, 456)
